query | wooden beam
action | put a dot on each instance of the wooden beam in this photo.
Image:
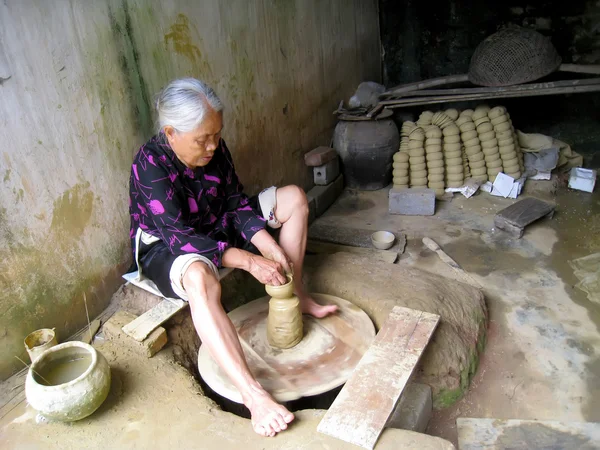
(359, 413)
(491, 90)
(404, 103)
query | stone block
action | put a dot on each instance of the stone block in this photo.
(319, 156)
(112, 330)
(327, 173)
(412, 202)
(324, 196)
(312, 209)
(413, 411)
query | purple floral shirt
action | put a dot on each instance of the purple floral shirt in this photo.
(200, 210)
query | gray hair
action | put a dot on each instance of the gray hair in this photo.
(183, 104)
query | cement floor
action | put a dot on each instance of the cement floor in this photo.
(541, 359)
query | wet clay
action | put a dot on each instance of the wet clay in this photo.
(284, 323)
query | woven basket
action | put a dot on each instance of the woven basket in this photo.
(513, 55)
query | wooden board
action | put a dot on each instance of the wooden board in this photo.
(140, 328)
(494, 90)
(496, 434)
(359, 413)
(355, 237)
(324, 359)
(388, 256)
(517, 216)
(435, 99)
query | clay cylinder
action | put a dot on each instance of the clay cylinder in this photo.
(284, 324)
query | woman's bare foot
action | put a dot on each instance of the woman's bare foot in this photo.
(268, 416)
(312, 308)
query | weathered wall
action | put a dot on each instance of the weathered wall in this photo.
(78, 104)
(430, 39)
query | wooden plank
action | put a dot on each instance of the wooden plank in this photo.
(359, 413)
(488, 90)
(439, 81)
(580, 68)
(140, 328)
(497, 434)
(355, 237)
(434, 247)
(392, 104)
(325, 247)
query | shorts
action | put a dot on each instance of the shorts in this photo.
(156, 263)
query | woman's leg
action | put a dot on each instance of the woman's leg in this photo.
(218, 333)
(292, 212)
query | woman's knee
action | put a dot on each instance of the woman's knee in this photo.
(199, 277)
(298, 198)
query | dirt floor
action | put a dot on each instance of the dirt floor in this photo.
(541, 360)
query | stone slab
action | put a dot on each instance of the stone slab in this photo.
(496, 434)
(324, 196)
(412, 202)
(327, 173)
(113, 330)
(413, 411)
(319, 156)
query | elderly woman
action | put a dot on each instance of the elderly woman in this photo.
(190, 217)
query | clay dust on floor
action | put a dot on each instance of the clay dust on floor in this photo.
(540, 361)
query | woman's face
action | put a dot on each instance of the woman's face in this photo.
(196, 148)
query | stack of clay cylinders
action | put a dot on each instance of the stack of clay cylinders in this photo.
(453, 156)
(405, 130)
(416, 151)
(506, 142)
(424, 119)
(488, 141)
(435, 159)
(400, 172)
(472, 146)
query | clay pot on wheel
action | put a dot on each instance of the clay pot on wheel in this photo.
(366, 149)
(285, 328)
(68, 382)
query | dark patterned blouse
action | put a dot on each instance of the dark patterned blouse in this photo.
(200, 210)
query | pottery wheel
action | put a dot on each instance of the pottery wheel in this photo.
(323, 360)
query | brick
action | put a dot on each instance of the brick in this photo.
(413, 411)
(412, 202)
(319, 156)
(327, 173)
(112, 330)
(324, 196)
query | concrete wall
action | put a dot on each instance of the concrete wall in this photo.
(78, 102)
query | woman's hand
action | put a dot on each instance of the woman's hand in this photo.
(267, 271)
(278, 255)
(269, 248)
